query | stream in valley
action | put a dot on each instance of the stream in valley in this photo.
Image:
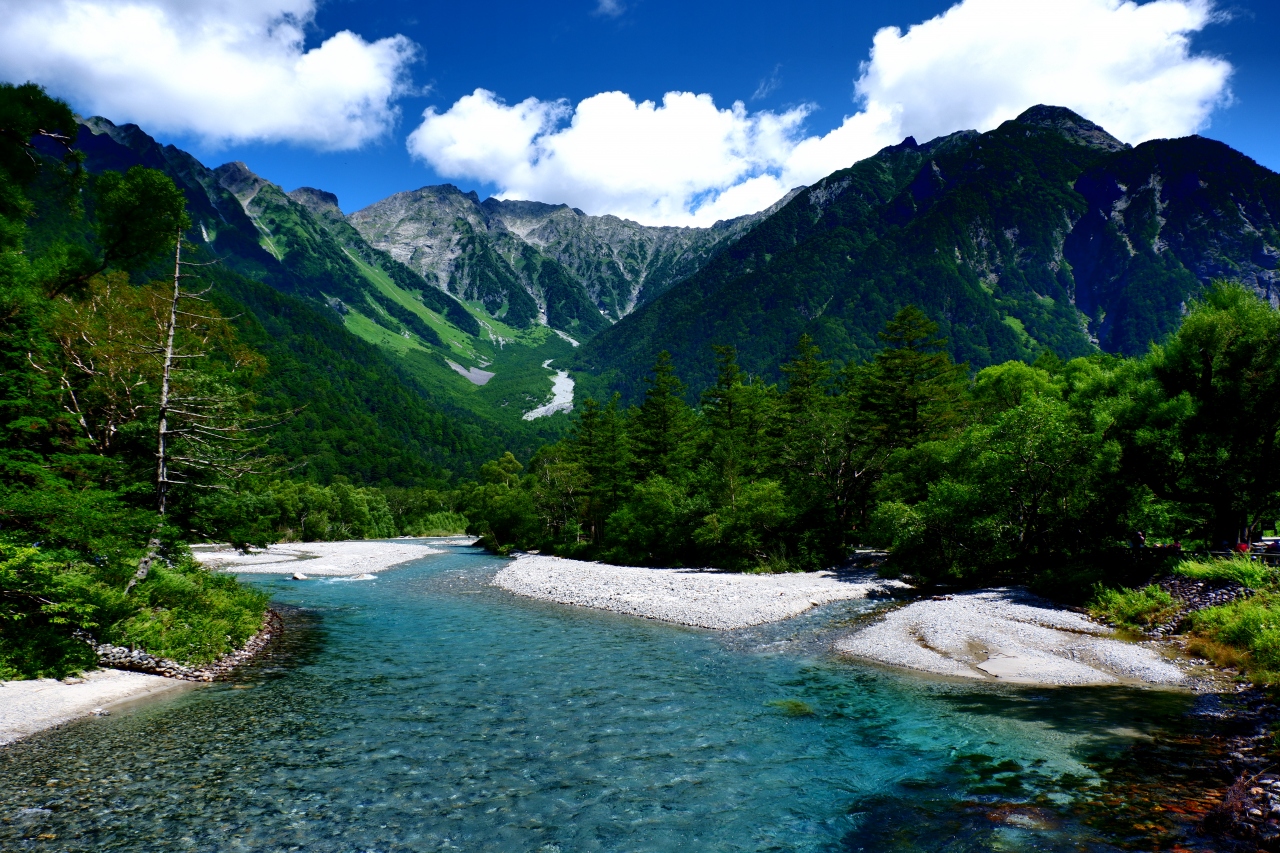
(426, 710)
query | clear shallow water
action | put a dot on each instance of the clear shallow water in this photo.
(425, 710)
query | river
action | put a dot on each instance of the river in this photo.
(426, 710)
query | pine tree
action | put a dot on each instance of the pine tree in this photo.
(914, 390)
(660, 426)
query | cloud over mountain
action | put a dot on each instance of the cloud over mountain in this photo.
(1128, 67)
(223, 70)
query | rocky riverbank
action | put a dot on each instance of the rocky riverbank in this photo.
(27, 707)
(321, 559)
(1008, 635)
(133, 660)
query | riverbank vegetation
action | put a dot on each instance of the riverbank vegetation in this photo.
(1243, 634)
(142, 408)
(124, 395)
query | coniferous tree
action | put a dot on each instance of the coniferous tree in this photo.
(914, 391)
(660, 426)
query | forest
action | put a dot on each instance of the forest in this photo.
(1047, 474)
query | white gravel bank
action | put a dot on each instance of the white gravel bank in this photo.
(354, 557)
(26, 707)
(1007, 635)
(702, 598)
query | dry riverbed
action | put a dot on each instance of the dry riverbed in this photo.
(1008, 635)
(27, 707)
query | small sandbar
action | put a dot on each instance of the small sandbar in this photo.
(1007, 635)
(27, 707)
(700, 598)
(318, 559)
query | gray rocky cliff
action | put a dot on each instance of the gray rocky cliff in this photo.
(476, 249)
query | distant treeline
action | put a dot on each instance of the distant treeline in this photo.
(300, 511)
(1050, 472)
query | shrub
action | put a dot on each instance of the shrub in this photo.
(1134, 608)
(1249, 624)
(181, 611)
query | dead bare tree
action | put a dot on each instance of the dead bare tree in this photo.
(204, 423)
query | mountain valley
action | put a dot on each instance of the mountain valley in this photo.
(1046, 234)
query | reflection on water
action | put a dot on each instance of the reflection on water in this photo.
(424, 710)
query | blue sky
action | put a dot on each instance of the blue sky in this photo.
(793, 66)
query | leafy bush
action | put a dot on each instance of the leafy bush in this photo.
(1134, 608)
(189, 614)
(182, 611)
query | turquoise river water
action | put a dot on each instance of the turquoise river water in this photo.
(426, 710)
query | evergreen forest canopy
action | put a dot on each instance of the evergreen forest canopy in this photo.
(1039, 473)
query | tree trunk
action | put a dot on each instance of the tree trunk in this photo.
(162, 430)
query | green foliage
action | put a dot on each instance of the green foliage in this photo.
(301, 511)
(1249, 624)
(1138, 609)
(187, 613)
(1254, 574)
(181, 611)
(78, 397)
(756, 479)
(1039, 474)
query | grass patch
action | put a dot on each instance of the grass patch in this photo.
(1251, 573)
(1138, 609)
(190, 614)
(1250, 626)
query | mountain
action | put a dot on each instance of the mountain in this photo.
(466, 304)
(529, 262)
(366, 410)
(1044, 235)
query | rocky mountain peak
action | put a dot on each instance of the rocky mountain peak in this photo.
(1074, 127)
(129, 135)
(237, 179)
(317, 201)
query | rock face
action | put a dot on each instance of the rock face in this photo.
(578, 271)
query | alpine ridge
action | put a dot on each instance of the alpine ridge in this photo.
(1044, 235)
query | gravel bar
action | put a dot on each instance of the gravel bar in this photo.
(1007, 635)
(700, 598)
(313, 559)
(27, 707)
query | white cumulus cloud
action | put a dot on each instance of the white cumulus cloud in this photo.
(1124, 65)
(223, 70)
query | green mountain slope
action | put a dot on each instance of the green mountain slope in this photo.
(379, 401)
(1036, 236)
